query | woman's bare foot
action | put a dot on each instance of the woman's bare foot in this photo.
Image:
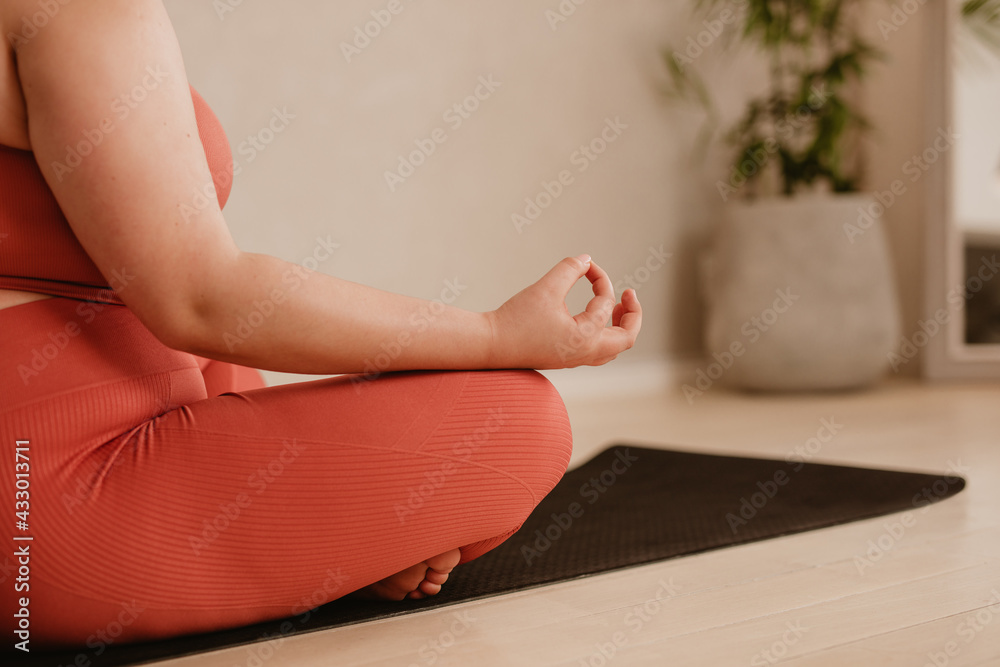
(415, 582)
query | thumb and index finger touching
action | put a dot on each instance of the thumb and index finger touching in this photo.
(602, 307)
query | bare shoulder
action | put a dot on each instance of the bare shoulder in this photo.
(25, 22)
(112, 126)
(22, 20)
(12, 11)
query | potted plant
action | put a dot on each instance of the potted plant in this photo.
(982, 19)
(797, 279)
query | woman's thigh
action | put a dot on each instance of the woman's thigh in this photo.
(263, 503)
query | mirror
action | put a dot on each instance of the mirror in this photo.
(963, 289)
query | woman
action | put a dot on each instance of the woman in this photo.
(167, 491)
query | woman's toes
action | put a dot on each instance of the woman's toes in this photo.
(435, 577)
(445, 562)
(429, 588)
(414, 583)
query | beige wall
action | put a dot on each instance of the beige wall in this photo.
(324, 174)
(896, 107)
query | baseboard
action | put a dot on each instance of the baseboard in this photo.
(623, 377)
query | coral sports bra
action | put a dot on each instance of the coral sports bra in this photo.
(38, 250)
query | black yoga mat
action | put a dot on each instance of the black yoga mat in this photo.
(627, 506)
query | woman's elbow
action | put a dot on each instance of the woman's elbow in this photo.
(176, 322)
(187, 310)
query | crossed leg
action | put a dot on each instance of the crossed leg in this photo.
(261, 503)
(415, 582)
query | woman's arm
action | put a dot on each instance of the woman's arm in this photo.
(326, 325)
(190, 284)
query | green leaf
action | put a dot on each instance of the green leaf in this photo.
(815, 49)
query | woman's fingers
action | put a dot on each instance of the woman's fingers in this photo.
(600, 281)
(625, 324)
(592, 342)
(628, 305)
(631, 314)
(600, 309)
(561, 278)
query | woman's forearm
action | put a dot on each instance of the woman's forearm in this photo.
(266, 313)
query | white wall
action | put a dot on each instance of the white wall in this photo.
(324, 175)
(977, 153)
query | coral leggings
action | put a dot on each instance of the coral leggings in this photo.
(170, 494)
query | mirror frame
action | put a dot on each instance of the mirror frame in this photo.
(946, 355)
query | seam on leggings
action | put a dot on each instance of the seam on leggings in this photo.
(250, 438)
(90, 387)
(426, 405)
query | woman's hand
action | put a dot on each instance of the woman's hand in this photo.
(534, 329)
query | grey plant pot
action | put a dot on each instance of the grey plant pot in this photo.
(800, 294)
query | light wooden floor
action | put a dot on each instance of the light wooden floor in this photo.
(804, 600)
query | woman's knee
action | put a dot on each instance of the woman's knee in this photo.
(531, 429)
(556, 438)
